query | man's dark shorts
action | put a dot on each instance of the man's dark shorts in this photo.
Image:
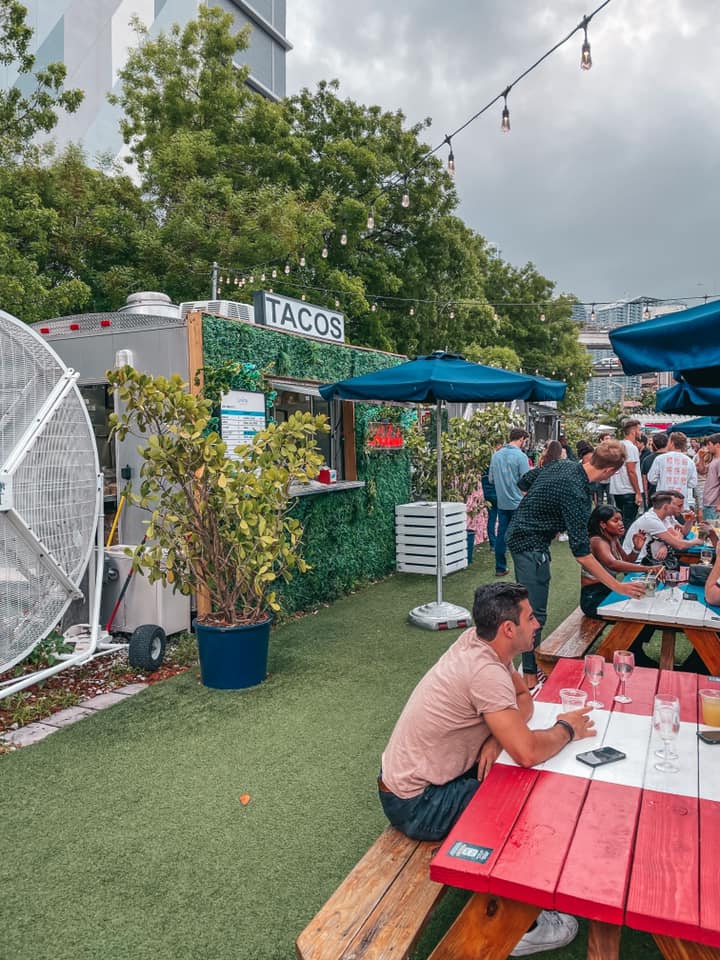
(431, 814)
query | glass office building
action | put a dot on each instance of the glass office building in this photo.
(93, 37)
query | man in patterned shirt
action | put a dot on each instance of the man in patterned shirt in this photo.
(674, 470)
(560, 499)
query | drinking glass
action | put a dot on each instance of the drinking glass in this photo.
(706, 556)
(594, 668)
(623, 662)
(650, 585)
(671, 579)
(666, 720)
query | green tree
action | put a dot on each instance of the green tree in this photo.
(30, 105)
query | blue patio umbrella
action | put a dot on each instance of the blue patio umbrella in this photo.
(438, 378)
(699, 427)
(684, 397)
(686, 341)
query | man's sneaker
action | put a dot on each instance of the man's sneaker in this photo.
(501, 573)
(551, 930)
(540, 678)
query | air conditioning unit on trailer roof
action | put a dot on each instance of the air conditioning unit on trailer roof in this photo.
(221, 308)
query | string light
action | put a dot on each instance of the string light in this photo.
(593, 315)
(505, 124)
(337, 303)
(262, 277)
(542, 318)
(343, 238)
(303, 297)
(405, 202)
(585, 56)
(324, 253)
(646, 312)
(451, 157)
(287, 269)
(302, 259)
(274, 273)
(371, 219)
(373, 307)
(452, 314)
(412, 311)
(251, 278)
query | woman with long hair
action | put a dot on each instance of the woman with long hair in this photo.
(607, 530)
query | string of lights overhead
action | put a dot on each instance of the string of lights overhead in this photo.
(232, 277)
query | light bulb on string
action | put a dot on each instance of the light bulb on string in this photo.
(343, 238)
(373, 307)
(452, 314)
(337, 303)
(412, 311)
(324, 253)
(251, 278)
(451, 157)
(405, 201)
(302, 259)
(287, 269)
(505, 124)
(585, 56)
(646, 312)
(303, 297)
(274, 273)
(542, 318)
(593, 315)
(371, 219)
(262, 277)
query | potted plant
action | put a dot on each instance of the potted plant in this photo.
(218, 525)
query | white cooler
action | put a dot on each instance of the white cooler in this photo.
(144, 602)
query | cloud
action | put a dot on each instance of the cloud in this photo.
(607, 180)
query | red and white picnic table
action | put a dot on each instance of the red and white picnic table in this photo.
(622, 844)
(697, 620)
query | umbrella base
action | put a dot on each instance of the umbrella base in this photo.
(440, 616)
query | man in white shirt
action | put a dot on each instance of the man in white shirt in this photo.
(674, 470)
(626, 484)
(660, 529)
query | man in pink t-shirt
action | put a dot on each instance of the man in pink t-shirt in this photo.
(467, 708)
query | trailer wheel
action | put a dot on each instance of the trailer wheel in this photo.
(146, 649)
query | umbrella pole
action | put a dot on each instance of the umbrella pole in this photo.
(439, 520)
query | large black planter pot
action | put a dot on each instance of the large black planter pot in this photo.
(233, 657)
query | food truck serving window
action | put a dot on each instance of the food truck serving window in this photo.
(305, 398)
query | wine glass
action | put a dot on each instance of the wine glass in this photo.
(706, 556)
(623, 662)
(594, 668)
(666, 720)
(672, 577)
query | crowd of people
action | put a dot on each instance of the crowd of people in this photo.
(625, 507)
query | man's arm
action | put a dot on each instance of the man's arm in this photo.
(530, 747)
(629, 588)
(632, 468)
(491, 749)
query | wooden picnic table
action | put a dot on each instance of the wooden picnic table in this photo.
(622, 844)
(697, 620)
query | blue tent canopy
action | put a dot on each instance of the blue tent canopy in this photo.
(699, 427)
(685, 397)
(688, 340)
(444, 376)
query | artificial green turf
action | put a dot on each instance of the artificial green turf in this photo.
(123, 835)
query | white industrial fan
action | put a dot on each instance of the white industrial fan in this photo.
(51, 500)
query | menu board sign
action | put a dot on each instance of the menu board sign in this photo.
(242, 415)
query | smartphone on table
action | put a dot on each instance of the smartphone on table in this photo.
(600, 756)
(709, 736)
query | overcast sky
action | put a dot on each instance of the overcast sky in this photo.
(609, 179)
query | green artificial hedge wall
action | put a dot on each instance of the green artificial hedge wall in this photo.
(349, 534)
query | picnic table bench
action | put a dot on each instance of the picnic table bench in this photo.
(572, 638)
(380, 909)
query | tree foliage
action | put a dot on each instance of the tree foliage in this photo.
(30, 105)
(228, 176)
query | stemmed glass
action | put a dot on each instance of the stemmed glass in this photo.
(666, 720)
(706, 556)
(671, 578)
(594, 668)
(623, 662)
